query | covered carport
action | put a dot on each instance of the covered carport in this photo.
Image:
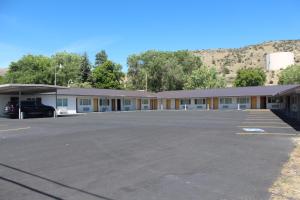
(28, 89)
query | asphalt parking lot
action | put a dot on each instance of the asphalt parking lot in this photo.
(173, 155)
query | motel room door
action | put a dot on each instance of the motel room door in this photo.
(113, 105)
(216, 103)
(177, 104)
(95, 105)
(118, 104)
(168, 104)
(263, 102)
(153, 104)
(139, 104)
(253, 102)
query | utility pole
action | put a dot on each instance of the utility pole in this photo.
(55, 73)
(146, 82)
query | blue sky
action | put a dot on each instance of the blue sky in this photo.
(127, 27)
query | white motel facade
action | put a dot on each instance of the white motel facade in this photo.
(82, 100)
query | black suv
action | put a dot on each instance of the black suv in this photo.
(29, 109)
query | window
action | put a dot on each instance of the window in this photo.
(225, 100)
(199, 101)
(104, 102)
(62, 102)
(145, 101)
(243, 100)
(127, 102)
(185, 101)
(85, 102)
(275, 100)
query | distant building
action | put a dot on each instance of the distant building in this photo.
(279, 60)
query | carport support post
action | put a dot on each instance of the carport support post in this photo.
(20, 116)
(54, 114)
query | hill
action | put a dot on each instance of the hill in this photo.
(228, 61)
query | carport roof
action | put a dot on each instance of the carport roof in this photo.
(229, 92)
(28, 88)
(105, 92)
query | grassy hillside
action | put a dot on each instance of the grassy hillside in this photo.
(228, 61)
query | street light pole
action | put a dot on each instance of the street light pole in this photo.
(55, 75)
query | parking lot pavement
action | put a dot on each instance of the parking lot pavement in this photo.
(142, 156)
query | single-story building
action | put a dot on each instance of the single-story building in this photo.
(78, 100)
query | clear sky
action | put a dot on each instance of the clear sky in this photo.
(127, 27)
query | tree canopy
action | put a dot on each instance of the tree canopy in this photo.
(31, 69)
(75, 71)
(101, 57)
(250, 77)
(290, 75)
(204, 77)
(108, 75)
(164, 70)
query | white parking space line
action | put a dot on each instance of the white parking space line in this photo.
(15, 129)
(260, 122)
(255, 119)
(264, 133)
(259, 126)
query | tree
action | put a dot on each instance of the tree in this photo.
(71, 66)
(165, 70)
(108, 76)
(101, 57)
(31, 69)
(204, 77)
(85, 69)
(250, 77)
(290, 75)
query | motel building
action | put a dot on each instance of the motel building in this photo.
(68, 101)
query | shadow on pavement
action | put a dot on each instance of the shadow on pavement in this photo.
(49, 180)
(290, 121)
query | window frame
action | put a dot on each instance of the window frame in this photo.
(224, 100)
(145, 100)
(64, 102)
(127, 102)
(200, 101)
(85, 102)
(247, 100)
(185, 101)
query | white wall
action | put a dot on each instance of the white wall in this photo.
(4, 99)
(279, 60)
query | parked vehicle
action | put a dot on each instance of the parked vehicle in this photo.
(29, 109)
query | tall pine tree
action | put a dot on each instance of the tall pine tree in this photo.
(85, 69)
(101, 57)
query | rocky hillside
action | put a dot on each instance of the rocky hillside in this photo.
(228, 61)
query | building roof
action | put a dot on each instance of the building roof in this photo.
(28, 88)
(229, 92)
(105, 92)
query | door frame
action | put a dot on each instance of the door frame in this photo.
(119, 106)
(95, 105)
(168, 104)
(263, 102)
(215, 103)
(253, 100)
(177, 104)
(113, 105)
